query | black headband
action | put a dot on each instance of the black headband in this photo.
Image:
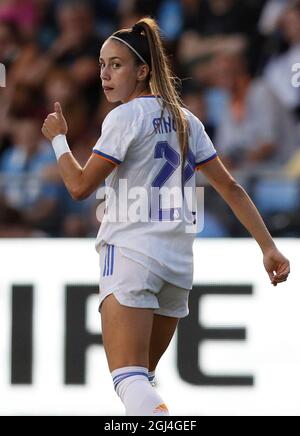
(136, 41)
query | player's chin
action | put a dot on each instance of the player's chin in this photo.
(112, 99)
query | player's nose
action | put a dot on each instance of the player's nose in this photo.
(104, 74)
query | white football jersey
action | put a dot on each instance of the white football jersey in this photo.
(144, 212)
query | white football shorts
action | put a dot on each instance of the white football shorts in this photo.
(135, 285)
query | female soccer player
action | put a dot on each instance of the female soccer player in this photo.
(148, 142)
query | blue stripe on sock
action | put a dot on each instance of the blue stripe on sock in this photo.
(119, 378)
(128, 374)
(124, 378)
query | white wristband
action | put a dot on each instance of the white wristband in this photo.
(60, 146)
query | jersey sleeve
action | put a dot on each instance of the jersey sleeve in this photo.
(205, 150)
(118, 133)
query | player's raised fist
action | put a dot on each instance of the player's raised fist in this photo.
(55, 123)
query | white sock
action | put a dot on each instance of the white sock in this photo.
(151, 377)
(138, 396)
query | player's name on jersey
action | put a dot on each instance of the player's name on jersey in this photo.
(164, 125)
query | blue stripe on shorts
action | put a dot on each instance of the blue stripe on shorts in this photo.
(109, 261)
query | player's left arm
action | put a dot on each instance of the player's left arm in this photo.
(80, 182)
(275, 263)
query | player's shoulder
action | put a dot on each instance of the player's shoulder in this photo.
(118, 113)
(123, 113)
(195, 123)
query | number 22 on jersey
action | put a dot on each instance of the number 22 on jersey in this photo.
(173, 160)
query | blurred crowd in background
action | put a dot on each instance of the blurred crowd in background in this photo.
(238, 63)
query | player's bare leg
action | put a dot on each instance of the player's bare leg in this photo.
(126, 335)
(163, 330)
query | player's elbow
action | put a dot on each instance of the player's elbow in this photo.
(78, 193)
(234, 192)
(227, 186)
(230, 190)
(234, 187)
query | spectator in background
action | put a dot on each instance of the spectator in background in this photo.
(17, 54)
(22, 94)
(60, 85)
(23, 13)
(77, 36)
(78, 219)
(271, 13)
(76, 49)
(130, 11)
(278, 73)
(196, 52)
(10, 50)
(9, 43)
(256, 130)
(198, 63)
(141, 8)
(211, 25)
(170, 17)
(215, 218)
(24, 185)
(106, 17)
(218, 17)
(194, 98)
(13, 224)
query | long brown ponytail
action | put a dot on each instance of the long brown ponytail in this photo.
(161, 80)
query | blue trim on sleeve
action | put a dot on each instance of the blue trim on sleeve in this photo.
(149, 96)
(107, 156)
(207, 160)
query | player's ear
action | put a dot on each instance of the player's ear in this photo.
(143, 72)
